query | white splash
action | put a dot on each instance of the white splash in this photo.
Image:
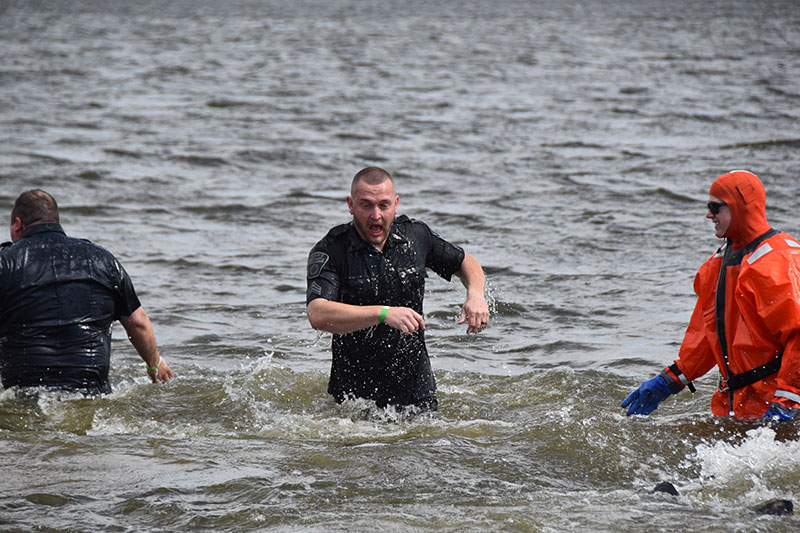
(757, 468)
(759, 454)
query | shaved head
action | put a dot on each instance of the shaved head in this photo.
(370, 176)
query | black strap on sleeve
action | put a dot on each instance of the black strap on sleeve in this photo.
(677, 371)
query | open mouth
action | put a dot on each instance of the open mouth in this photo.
(376, 229)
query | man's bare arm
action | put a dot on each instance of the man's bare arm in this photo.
(141, 334)
(337, 317)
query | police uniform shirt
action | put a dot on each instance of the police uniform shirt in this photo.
(380, 363)
(60, 297)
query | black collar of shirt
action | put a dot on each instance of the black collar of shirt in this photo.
(42, 228)
(395, 237)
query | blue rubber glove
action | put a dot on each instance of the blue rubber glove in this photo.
(646, 398)
(780, 413)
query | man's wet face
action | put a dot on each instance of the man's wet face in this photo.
(373, 208)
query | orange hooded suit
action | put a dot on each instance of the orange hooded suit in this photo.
(757, 312)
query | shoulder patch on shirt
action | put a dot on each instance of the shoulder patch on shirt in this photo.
(316, 262)
(760, 252)
(792, 243)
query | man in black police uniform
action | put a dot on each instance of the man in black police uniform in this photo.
(366, 281)
(59, 297)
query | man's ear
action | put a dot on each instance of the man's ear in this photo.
(17, 229)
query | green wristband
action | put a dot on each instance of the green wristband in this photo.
(382, 318)
(153, 368)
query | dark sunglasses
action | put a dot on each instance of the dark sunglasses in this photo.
(714, 207)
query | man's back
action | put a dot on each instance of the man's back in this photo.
(60, 296)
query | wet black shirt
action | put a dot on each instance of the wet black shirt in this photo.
(381, 363)
(59, 297)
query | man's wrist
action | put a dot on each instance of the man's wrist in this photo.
(153, 368)
(382, 316)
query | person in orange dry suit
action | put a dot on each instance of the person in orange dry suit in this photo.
(747, 317)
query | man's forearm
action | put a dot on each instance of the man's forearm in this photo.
(475, 311)
(336, 317)
(143, 338)
(471, 275)
(140, 333)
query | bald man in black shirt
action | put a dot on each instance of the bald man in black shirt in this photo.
(366, 282)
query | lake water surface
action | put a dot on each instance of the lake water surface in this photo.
(568, 146)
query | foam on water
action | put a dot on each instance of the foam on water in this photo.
(758, 468)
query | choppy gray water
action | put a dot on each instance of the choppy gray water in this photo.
(567, 145)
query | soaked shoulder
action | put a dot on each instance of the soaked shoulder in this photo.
(337, 235)
(420, 229)
(89, 247)
(94, 254)
(406, 224)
